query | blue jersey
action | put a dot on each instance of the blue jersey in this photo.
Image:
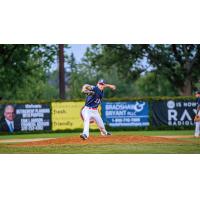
(93, 101)
(198, 101)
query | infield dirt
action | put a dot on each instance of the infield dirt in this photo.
(103, 140)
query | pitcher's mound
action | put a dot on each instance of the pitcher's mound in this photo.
(102, 140)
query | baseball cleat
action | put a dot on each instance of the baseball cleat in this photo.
(83, 136)
(106, 134)
(103, 134)
(109, 133)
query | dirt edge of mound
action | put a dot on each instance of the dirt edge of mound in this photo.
(101, 140)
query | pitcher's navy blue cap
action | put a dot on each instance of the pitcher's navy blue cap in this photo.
(101, 81)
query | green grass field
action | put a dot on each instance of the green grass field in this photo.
(192, 146)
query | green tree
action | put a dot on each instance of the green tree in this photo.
(75, 78)
(23, 70)
(152, 84)
(178, 63)
(83, 73)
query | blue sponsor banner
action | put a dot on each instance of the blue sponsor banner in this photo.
(125, 114)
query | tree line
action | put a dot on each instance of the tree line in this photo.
(30, 72)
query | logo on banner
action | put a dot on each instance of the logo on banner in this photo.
(125, 113)
(181, 113)
(138, 107)
(170, 104)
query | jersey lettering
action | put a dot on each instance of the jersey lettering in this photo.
(93, 101)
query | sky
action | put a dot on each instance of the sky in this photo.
(78, 50)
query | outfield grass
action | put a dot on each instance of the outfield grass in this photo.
(192, 147)
(106, 149)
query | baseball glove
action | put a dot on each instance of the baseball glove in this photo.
(88, 92)
(197, 118)
(87, 89)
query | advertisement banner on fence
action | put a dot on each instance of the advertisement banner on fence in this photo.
(66, 115)
(173, 112)
(126, 114)
(25, 117)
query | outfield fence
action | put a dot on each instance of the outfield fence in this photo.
(119, 114)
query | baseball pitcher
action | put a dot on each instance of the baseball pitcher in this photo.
(90, 110)
(197, 117)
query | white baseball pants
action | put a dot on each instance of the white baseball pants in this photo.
(197, 128)
(90, 114)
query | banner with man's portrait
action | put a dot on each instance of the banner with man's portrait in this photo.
(24, 117)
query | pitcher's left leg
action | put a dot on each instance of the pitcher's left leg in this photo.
(100, 124)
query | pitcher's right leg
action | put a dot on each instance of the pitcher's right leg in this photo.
(86, 121)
